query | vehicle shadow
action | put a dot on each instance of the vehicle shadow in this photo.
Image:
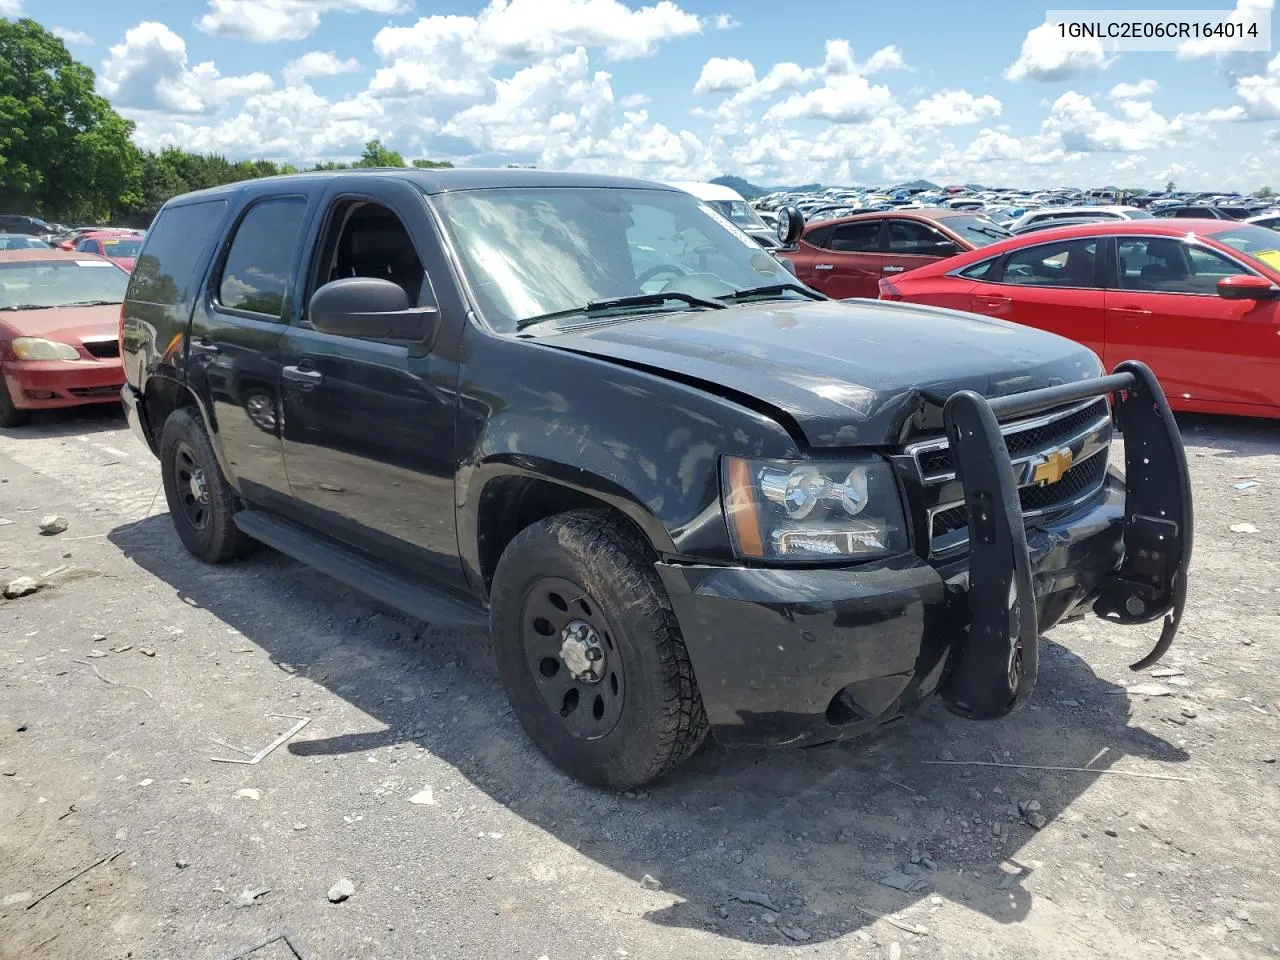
(811, 832)
(1230, 436)
(70, 421)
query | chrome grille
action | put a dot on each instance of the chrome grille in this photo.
(1083, 428)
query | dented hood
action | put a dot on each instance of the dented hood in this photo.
(844, 373)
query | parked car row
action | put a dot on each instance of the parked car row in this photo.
(1198, 300)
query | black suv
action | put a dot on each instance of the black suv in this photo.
(683, 490)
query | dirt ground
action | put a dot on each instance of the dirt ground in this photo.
(413, 781)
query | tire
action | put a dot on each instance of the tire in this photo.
(205, 525)
(643, 715)
(10, 416)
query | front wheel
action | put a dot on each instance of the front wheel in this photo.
(10, 415)
(590, 652)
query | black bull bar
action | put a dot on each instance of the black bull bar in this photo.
(994, 670)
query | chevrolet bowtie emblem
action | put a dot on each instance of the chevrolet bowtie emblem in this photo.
(1047, 468)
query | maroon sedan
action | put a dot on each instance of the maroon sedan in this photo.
(59, 331)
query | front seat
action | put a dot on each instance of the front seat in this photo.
(380, 248)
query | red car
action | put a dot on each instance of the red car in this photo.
(1196, 300)
(121, 248)
(59, 331)
(847, 257)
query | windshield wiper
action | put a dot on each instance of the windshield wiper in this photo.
(28, 306)
(772, 290)
(615, 303)
(93, 303)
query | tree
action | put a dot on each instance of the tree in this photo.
(1170, 187)
(1265, 193)
(63, 151)
(433, 164)
(376, 155)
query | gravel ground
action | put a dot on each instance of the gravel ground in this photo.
(413, 781)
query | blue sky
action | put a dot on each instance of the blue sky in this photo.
(841, 91)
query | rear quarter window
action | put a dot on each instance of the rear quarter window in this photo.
(176, 244)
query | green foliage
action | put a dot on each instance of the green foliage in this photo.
(376, 155)
(1264, 193)
(1170, 187)
(64, 153)
(422, 164)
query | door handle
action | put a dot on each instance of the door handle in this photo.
(1131, 311)
(823, 266)
(894, 269)
(984, 301)
(308, 378)
(204, 345)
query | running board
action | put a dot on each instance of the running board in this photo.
(363, 573)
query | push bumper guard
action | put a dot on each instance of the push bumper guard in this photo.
(994, 671)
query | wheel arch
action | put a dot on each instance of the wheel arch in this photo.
(512, 496)
(162, 396)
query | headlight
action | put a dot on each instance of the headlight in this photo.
(37, 348)
(813, 510)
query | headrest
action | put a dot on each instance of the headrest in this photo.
(377, 240)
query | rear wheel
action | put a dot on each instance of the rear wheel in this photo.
(201, 502)
(10, 416)
(590, 652)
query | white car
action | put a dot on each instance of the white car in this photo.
(729, 204)
(1074, 213)
(1270, 220)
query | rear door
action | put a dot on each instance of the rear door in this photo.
(235, 338)
(851, 260)
(1164, 310)
(1055, 286)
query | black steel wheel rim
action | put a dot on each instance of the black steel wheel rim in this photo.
(560, 620)
(190, 484)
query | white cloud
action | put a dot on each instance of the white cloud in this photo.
(267, 21)
(78, 37)
(845, 98)
(1245, 11)
(317, 63)
(886, 58)
(10, 8)
(149, 71)
(633, 100)
(1047, 56)
(725, 75)
(1133, 91)
(955, 108)
(725, 21)
(839, 60)
(1083, 127)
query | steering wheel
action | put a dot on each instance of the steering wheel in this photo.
(660, 269)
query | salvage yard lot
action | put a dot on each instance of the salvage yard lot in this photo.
(413, 781)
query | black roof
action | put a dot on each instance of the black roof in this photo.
(446, 180)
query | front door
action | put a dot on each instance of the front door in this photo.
(235, 336)
(369, 424)
(1165, 311)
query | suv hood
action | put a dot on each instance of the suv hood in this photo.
(841, 373)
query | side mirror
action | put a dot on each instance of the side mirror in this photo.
(370, 308)
(1245, 286)
(790, 225)
(945, 248)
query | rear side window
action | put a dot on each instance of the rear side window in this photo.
(176, 243)
(256, 272)
(862, 237)
(979, 270)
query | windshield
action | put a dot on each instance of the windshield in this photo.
(530, 251)
(739, 211)
(1255, 241)
(21, 242)
(123, 247)
(979, 231)
(59, 283)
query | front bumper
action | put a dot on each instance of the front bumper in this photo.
(795, 657)
(801, 656)
(46, 384)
